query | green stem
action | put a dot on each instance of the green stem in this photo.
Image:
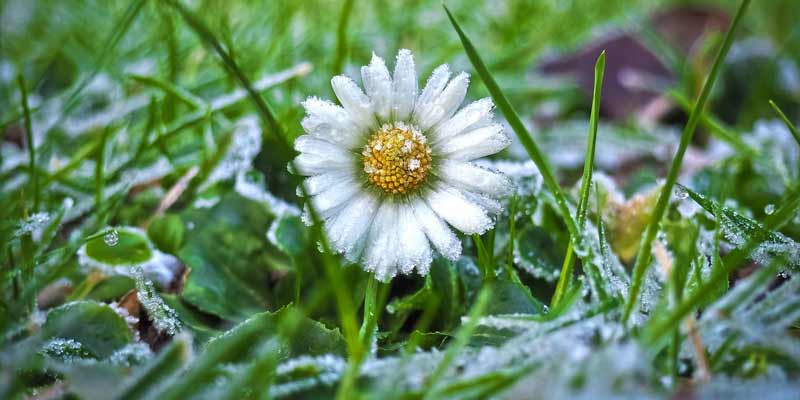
(347, 387)
(341, 37)
(643, 257)
(461, 339)
(34, 176)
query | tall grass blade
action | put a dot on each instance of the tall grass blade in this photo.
(519, 128)
(644, 255)
(26, 112)
(565, 277)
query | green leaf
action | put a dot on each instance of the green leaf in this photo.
(229, 259)
(538, 253)
(97, 327)
(111, 288)
(289, 235)
(167, 233)
(131, 248)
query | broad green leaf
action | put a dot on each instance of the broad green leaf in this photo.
(167, 233)
(131, 248)
(96, 326)
(229, 258)
(537, 253)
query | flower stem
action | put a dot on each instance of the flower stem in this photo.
(365, 338)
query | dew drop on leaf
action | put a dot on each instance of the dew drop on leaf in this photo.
(111, 238)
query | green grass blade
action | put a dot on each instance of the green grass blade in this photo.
(519, 128)
(26, 112)
(178, 92)
(565, 277)
(121, 27)
(644, 255)
(785, 119)
(341, 38)
(715, 126)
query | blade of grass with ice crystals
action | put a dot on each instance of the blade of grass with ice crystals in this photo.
(344, 303)
(785, 119)
(34, 176)
(516, 124)
(341, 37)
(643, 256)
(565, 277)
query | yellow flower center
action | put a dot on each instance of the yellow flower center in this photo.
(396, 159)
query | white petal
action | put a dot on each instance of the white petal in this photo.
(489, 204)
(378, 84)
(459, 212)
(445, 104)
(404, 85)
(415, 250)
(382, 246)
(330, 122)
(471, 177)
(307, 144)
(433, 88)
(354, 101)
(313, 164)
(348, 228)
(474, 144)
(317, 183)
(475, 115)
(436, 230)
(328, 201)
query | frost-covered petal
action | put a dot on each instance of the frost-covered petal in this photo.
(475, 115)
(404, 85)
(354, 101)
(471, 177)
(415, 250)
(474, 144)
(459, 212)
(491, 205)
(381, 253)
(328, 201)
(308, 164)
(440, 235)
(445, 104)
(348, 228)
(307, 144)
(433, 88)
(317, 183)
(330, 122)
(378, 85)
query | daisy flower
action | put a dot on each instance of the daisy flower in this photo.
(390, 170)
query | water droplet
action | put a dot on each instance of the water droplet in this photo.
(111, 238)
(769, 209)
(681, 193)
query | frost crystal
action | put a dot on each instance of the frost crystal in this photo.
(164, 318)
